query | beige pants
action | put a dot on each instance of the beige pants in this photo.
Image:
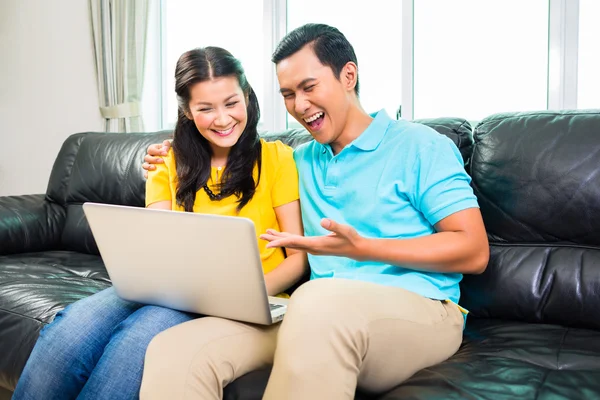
(337, 334)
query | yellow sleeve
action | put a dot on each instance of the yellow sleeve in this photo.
(285, 188)
(158, 186)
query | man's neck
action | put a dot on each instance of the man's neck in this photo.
(357, 122)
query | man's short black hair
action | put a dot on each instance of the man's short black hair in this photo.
(329, 44)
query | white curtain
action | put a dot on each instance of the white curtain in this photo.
(119, 30)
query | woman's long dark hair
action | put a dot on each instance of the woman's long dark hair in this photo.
(192, 151)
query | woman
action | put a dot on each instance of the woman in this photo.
(95, 347)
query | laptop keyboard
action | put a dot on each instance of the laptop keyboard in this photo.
(275, 306)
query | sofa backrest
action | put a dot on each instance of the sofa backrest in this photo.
(457, 129)
(106, 168)
(537, 179)
(97, 167)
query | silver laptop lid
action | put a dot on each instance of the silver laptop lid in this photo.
(206, 264)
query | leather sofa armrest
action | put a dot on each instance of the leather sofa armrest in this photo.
(30, 223)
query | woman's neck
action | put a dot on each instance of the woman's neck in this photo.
(219, 156)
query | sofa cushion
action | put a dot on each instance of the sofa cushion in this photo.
(29, 223)
(537, 283)
(537, 179)
(509, 360)
(252, 386)
(497, 360)
(457, 129)
(34, 287)
(98, 167)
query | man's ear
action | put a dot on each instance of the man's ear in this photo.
(349, 75)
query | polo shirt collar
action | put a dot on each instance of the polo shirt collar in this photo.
(373, 135)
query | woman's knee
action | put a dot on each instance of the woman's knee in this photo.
(97, 310)
(148, 321)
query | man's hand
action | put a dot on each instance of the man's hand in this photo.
(154, 156)
(343, 241)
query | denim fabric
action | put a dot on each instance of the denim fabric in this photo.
(94, 349)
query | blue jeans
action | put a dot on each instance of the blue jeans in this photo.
(94, 349)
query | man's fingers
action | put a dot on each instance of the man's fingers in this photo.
(153, 160)
(278, 243)
(330, 225)
(268, 237)
(279, 234)
(159, 149)
(166, 145)
(279, 237)
(148, 167)
(291, 241)
(154, 149)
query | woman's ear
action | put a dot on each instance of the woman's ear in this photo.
(349, 74)
(188, 115)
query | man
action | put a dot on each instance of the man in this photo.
(389, 218)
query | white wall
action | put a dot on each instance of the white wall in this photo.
(47, 87)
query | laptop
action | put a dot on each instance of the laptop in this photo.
(199, 263)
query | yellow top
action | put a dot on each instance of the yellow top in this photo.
(278, 186)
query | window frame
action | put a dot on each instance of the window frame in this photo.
(563, 46)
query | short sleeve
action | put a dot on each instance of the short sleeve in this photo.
(285, 187)
(442, 185)
(158, 184)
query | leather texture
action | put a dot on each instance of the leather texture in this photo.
(33, 288)
(534, 328)
(537, 179)
(499, 359)
(29, 223)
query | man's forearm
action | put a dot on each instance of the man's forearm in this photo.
(441, 252)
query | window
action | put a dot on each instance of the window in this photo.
(473, 58)
(375, 34)
(467, 58)
(235, 25)
(588, 91)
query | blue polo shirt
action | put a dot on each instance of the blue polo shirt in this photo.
(395, 181)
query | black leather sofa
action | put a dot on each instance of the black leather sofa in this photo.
(534, 327)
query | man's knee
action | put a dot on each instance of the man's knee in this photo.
(170, 361)
(197, 345)
(160, 346)
(317, 311)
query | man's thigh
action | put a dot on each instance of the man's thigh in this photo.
(399, 346)
(395, 332)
